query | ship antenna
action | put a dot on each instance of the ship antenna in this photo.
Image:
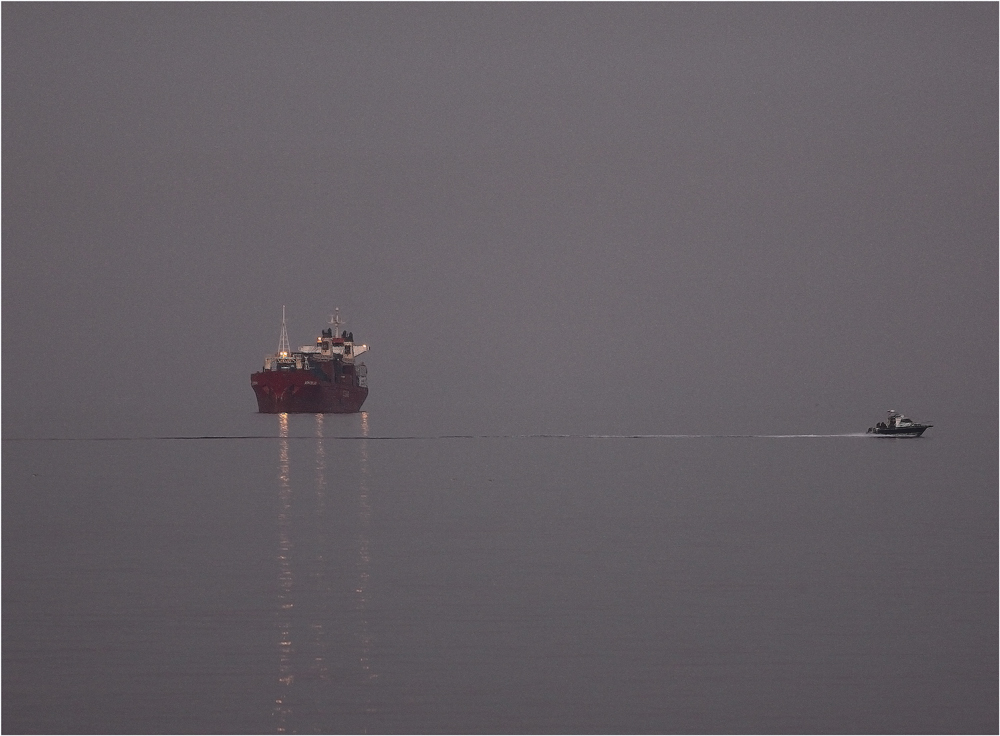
(335, 321)
(283, 349)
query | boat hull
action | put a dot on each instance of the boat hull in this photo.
(914, 431)
(304, 392)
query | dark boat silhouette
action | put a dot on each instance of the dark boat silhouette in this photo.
(899, 426)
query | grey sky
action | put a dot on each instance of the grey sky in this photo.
(634, 212)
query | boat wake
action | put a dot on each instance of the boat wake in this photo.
(440, 437)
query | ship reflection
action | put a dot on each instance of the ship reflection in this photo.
(285, 605)
(317, 640)
(324, 658)
(364, 564)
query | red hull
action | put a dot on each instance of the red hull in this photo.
(303, 391)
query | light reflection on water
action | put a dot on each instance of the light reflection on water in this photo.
(317, 640)
(364, 563)
(309, 578)
(285, 579)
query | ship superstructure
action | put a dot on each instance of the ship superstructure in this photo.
(321, 378)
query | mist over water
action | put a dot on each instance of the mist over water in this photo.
(607, 218)
(636, 279)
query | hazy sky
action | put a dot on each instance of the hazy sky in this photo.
(630, 212)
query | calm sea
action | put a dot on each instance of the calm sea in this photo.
(334, 578)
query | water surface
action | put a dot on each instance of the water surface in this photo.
(334, 578)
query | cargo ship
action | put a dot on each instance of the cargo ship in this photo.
(315, 379)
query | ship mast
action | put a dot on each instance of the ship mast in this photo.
(283, 348)
(336, 322)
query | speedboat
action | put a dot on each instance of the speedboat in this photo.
(899, 426)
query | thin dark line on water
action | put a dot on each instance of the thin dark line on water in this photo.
(440, 437)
